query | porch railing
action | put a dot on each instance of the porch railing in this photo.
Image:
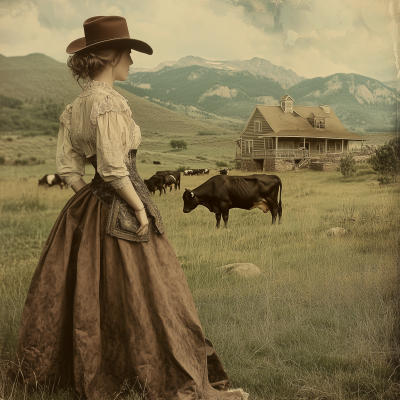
(284, 153)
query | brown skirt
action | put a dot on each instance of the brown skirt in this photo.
(104, 313)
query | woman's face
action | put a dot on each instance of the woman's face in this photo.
(121, 70)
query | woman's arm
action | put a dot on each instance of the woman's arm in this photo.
(78, 185)
(128, 193)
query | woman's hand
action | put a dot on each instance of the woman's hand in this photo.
(143, 221)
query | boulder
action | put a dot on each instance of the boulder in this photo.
(241, 269)
(335, 231)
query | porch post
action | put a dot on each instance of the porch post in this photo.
(276, 146)
(304, 142)
(342, 145)
(326, 145)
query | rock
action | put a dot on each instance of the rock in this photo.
(336, 231)
(241, 269)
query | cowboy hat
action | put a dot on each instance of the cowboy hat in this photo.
(103, 32)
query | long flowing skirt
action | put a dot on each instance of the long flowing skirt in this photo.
(103, 313)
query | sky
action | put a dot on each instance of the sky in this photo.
(311, 37)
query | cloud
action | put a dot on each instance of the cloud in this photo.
(311, 37)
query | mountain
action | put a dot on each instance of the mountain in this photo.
(362, 103)
(211, 91)
(39, 79)
(257, 66)
(392, 84)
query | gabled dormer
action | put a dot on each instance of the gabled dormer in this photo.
(286, 104)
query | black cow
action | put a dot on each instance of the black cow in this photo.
(224, 171)
(169, 181)
(222, 192)
(50, 180)
(157, 162)
(175, 174)
(156, 182)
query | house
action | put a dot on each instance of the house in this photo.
(278, 138)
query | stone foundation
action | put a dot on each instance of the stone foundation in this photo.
(277, 165)
(251, 165)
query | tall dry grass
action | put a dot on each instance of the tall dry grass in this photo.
(320, 322)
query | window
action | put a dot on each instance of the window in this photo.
(319, 123)
(248, 146)
(257, 126)
(269, 144)
(288, 145)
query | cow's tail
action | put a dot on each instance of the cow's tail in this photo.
(280, 197)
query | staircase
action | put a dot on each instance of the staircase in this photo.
(303, 162)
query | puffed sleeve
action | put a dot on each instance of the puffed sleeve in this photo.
(112, 136)
(70, 163)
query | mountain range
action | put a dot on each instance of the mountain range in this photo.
(257, 66)
(362, 103)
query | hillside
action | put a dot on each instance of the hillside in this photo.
(37, 78)
(258, 66)
(362, 103)
(225, 93)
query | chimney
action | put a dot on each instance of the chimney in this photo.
(326, 109)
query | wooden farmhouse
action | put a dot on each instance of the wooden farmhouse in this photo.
(278, 138)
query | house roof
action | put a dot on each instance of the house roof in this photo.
(296, 124)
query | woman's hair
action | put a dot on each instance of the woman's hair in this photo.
(88, 65)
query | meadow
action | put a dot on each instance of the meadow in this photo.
(320, 322)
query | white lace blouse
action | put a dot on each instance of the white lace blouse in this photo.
(97, 122)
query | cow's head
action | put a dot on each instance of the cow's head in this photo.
(149, 185)
(43, 182)
(190, 201)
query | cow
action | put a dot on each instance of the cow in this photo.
(188, 172)
(206, 171)
(175, 174)
(156, 182)
(222, 192)
(157, 162)
(169, 181)
(224, 171)
(50, 180)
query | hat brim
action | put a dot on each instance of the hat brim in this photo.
(79, 45)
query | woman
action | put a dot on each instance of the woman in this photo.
(109, 305)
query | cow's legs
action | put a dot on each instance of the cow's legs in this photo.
(273, 207)
(225, 216)
(218, 218)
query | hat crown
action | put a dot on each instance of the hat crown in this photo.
(99, 29)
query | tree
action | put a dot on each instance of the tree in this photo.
(180, 144)
(386, 161)
(348, 165)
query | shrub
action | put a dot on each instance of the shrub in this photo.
(201, 158)
(221, 164)
(180, 144)
(33, 159)
(143, 161)
(386, 161)
(9, 139)
(2, 160)
(19, 155)
(348, 165)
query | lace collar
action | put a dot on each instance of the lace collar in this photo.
(93, 86)
(98, 84)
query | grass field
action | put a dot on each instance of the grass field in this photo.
(320, 323)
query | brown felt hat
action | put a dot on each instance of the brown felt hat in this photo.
(105, 32)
